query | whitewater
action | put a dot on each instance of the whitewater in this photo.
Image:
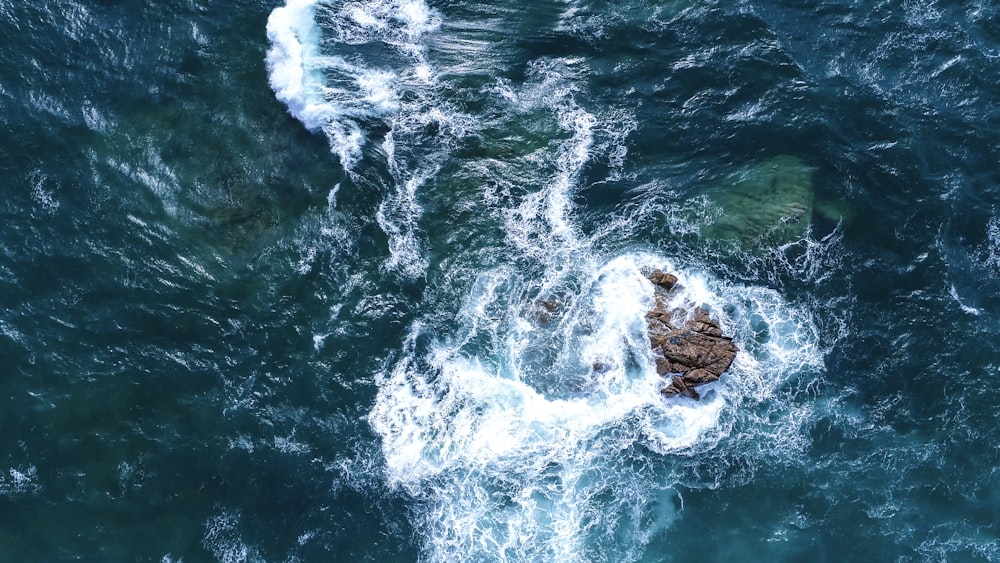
(509, 445)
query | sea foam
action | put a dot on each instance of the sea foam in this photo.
(523, 455)
(293, 75)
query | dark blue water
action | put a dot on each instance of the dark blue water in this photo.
(269, 279)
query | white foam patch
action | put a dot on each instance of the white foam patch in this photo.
(94, 119)
(223, 539)
(296, 74)
(289, 445)
(294, 77)
(967, 308)
(983, 259)
(43, 191)
(332, 93)
(17, 481)
(990, 253)
(518, 455)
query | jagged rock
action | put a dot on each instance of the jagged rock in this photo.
(680, 387)
(662, 279)
(688, 344)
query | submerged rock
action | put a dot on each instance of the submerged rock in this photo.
(688, 344)
(768, 203)
(544, 309)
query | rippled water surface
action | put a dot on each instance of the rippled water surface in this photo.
(271, 275)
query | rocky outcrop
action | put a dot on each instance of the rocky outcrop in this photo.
(662, 279)
(688, 344)
(544, 310)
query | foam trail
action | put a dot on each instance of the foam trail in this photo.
(546, 213)
(397, 216)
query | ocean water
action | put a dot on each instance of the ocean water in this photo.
(270, 278)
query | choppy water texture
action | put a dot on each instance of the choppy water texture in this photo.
(270, 279)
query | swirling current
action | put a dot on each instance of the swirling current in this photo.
(365, 280)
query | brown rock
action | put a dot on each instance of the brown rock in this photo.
(662, 279)
(680, 387)
(695, 353)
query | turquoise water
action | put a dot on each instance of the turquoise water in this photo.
(269, 278)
